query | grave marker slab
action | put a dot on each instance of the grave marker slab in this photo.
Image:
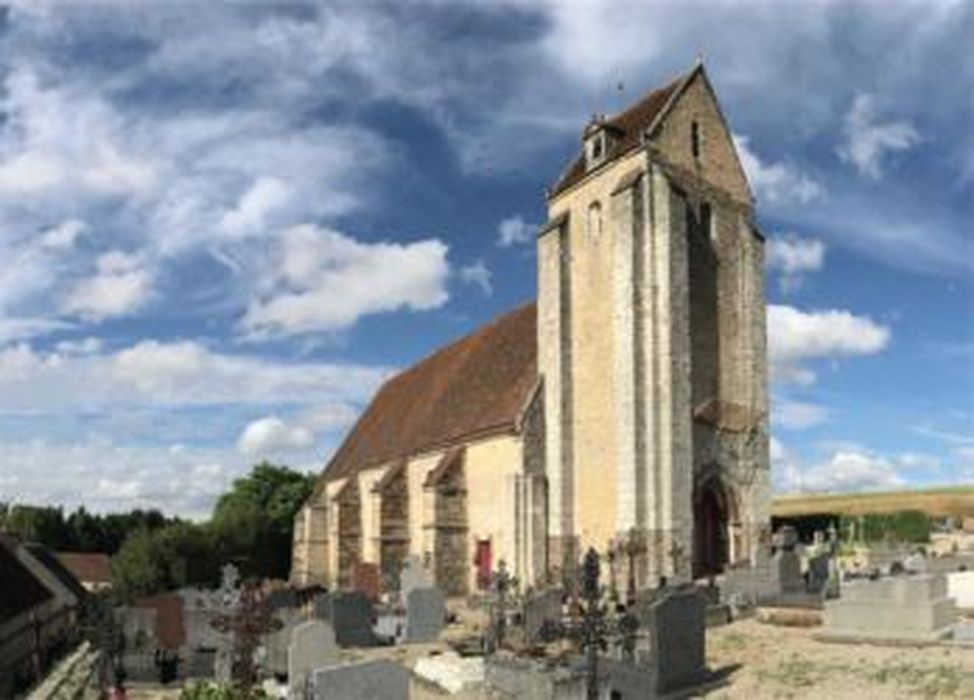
(425, 614)
(539, 609)
(370, 680)
(365, 580)
(351, 616)
(312, 646)
(414, 575)
(677, 628)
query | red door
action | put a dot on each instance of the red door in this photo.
(483, 562)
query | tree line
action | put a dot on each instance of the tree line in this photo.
(250, 526)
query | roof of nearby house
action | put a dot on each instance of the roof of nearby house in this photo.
(476, 386)
(88, 567)
(21, 590)
(629, 125)
(58, 569)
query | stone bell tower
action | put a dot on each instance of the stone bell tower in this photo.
(651, 342)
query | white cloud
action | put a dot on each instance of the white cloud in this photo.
(64, 235)
(121, 286)
(515, 231)
(775, 183)
(867, 142)
(795, 336)
(793, 256)
(846, 470)
(479, 275)
(798, 415)
(271, 435)
(177, 374)
(324, 281)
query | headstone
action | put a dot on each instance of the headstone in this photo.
(541, 608)
(915, 563)
(415, 574)
(312, 646)
(425, 614)
(282, 598)
(786, 568)
(786, 537)
(369, 680)
(276, 643)
(351, 616)
(819, 571)
(677, 629)
(903, 608)
(365, 580)
(451, 671)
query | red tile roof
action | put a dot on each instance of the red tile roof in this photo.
(88, 567)
(629, 125)
(477, 385)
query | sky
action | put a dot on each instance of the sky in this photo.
(222, 226)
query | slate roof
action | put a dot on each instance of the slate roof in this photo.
(475, 386)
(20, 591)
(88, 567)
(629, 125)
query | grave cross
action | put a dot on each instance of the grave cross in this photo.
(248, 620)
(596, 627)
(502, 582)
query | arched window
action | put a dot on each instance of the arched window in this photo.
(594, 222)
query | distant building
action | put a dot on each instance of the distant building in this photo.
(626, 409)
(39, 614)
(93, 569)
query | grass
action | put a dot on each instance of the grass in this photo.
(948, 501)
(929, 682)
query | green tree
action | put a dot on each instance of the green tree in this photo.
(177, 555)
(253, 521)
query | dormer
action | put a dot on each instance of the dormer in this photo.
(600, 139)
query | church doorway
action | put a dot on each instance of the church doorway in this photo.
(711, 520)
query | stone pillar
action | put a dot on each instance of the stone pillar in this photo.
(554, 364)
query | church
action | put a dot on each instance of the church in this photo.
(625, 410)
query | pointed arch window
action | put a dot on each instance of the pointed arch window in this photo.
(594, 224)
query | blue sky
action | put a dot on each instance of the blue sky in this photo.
(222, 225)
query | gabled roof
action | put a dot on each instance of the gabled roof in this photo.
(629, 125)
(475, 386)
(53, 564)
(88, 567)
(21, 591)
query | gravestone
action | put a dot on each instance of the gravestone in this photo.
(960, 587)
(415, 574)
(541, 608)
(786, 569)
(677, 631)
(351, 616)
(819, 572)
(276, 643)
(369, 680)
(425, 614)
(312, 646)
(915, 563)
(365, 580)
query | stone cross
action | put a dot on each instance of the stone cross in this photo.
(501, 584)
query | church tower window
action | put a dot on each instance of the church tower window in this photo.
(695, 139)
(594, 222)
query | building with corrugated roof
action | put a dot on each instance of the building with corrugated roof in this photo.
(625, 410)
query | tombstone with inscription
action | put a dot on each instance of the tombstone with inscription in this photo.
(312, 646)
(677, 630)
(369, 680)
(351, 615)
(425, 614)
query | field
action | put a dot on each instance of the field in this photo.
(956, 501)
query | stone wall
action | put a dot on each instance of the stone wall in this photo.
(349, 508)
(393, 527)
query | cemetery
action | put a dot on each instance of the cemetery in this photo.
(584, 638)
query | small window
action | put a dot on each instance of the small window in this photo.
(594, 222)
(597, 148)
(695, 139)
(706, 222)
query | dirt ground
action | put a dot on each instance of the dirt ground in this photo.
(763, 661)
